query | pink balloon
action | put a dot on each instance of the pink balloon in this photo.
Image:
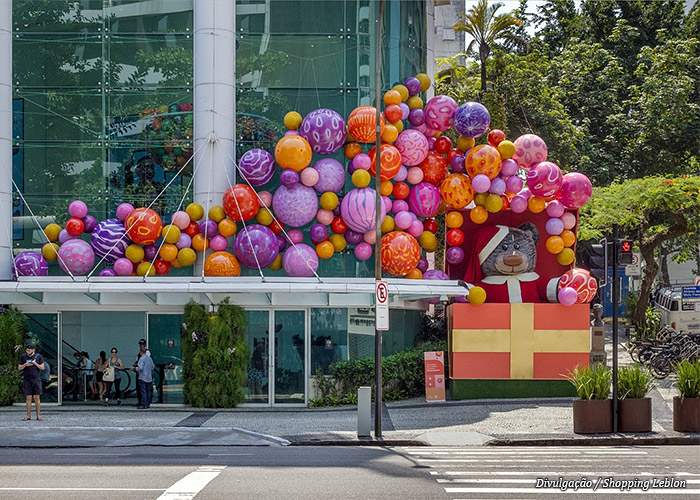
(403, 220)
(498, 186)
(554, 226)
(309, 177)
(569, 220)
(481, 183)
(362, 162)
(401, 174)
(291, 132)
(218, 243)
(416, 228)
(265, 198)
(123, 267)
(295, 236)
(555, 208)
(412, 146)
(529, 150)
(544, 179)
(514, 184)
(370, 237)
(415, 175)
(509, 167)
(399, 206)
(439, 112)
(324, 216)
(77, 209)
(567, 296)
(124, 210)
(363, 251)
(180, 219)
(525, 193)
(386, 201)
(576, 190)
(518, 204)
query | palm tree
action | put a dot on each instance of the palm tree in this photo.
(486, 28)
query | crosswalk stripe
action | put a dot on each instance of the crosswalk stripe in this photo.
(541, 491)
(491, 453)
(501, 460)
(194, 482)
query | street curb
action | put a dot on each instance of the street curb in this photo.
(601, 441)
(368, 442)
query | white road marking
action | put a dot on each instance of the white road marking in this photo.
(551, 472)
(490, 453)
(556, 491)
(501, 460)
(80, 489)
(522, 481)
(194, 482)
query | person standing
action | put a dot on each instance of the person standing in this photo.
(100, 365)
(144, 369)
(142, 351)
(116, 363)
(31, 364)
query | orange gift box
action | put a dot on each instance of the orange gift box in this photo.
(517, 341)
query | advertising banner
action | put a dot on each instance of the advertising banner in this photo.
(434, 375)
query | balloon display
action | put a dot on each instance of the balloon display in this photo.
(324, 130)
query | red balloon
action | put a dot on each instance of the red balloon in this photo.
(443, 144)
(75, 226)
(434, 168)
(241, 202)
(276, 227)
(401, 190)
(162, 267)
(393, 113)
(506, 202)
(391, 161)
(455, 237)
(496, 137)
(452, 153)
(338, 225)
(192, 229)
(430, 225)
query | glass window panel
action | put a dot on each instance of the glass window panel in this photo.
(290, 341)
(139, 16)
(164, 343)
(57, 16)
(329, 338)
(306, 16)
(258, 341)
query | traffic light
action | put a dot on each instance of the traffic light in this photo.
(599, 262)
(626, 252)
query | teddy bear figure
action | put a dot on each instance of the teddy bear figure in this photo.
(503, 264)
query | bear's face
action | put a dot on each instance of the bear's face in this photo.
(516, 254)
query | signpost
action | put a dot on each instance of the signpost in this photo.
(381, 306)
(634, 269)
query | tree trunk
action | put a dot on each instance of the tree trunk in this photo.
(484, 51)
(650, 271)
(665, 275)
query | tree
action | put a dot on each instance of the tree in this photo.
(650, 210)
(486, 29)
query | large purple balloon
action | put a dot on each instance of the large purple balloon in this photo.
(435, 274)
(256, 241)
(424, 200)
(257, 165)
(107, 234)
(331, 175)
(472, 119)
(296, 206)
(359, 210)
(300, 261)
(324, 130)
(76, 256)
(30, 264)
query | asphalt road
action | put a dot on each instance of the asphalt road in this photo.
(349, 473)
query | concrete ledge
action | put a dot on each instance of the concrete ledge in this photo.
(607, 440)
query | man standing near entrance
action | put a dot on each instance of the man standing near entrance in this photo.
(31, 364)
(144, 378)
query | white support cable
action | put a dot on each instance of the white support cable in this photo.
(212, 141)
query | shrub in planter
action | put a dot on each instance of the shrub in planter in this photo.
(593, 411)
(13, 327)
(686, 407)
(634, 409)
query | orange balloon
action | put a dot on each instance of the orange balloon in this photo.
(536, 204)
(362, 124)
(292, 151)
(200, 243)
(392, 97)
(554, 244)
(414, 274)
(241, 203)
(400, 253)
(168, 252)
(227, 228)
(390, 134)
(325, 249)
(352, 149)
(143, 226)
(478, 215)
(568, 237)
(386, 188)
(391, 161)
(483, 159)
(456, 191)
(454, 219)
(221, 264)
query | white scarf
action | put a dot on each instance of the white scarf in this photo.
(513, 281)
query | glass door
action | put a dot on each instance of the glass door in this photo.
(258, 371)
(289, 357)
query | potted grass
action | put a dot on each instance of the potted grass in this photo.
(593, 409)
(634, 408)
(686, 407)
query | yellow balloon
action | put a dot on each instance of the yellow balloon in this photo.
(506, 149)
(170, 233)
(388, 224)
(398, 126)
(292, 120)
(415, 102)
(134, 253)
(361, 178)
(338, 241)
(186, 257)
(401, 89)
(566, 257)
(390, 134)
(276, 264)
(195, 211)
(424, 81)
(217, 213)
(465, 143)
(329, 200)
(263, 217)
(494, 203)
(477, 295)
(480, 199)
(325, 249)
(146, 268)
(428, 241)
(52, 231)
(50, 251)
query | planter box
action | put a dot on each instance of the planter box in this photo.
(634, 415)
(686, 414)
(593, 417)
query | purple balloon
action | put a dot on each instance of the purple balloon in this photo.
(281, 242)
(514, 184)
(435, 274)
(184, 242)
(150, 252)
(90, 223)
(318, 233)
(123, 267)
(208, 228)
(296, 206)
(289, 178)
(359, 210)
(363, 251)
(454, 255)
(403, 220)
(77, 209)
(124, 210)
(509, 167)
(362, 161)
(413, 85)
(422, 265)
(554, 226)
(387, 204)
(555, 208)
(481, 183)
(63, 236)
(352, 237)
(457, 164)
(300, 261)
(30, 264)
(324, 130)
(331, 175)
(257, 166)
(472, 119)
(399, 206)
(525, 193)
(518, 204)
(109, 240)
(405, 110)
(416, 117)
(295, 236)
(108, 272)
(76, 256)
(401, 174)
(256, 241)
(567, 296)
(498, 186)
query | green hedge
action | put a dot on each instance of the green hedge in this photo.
(13, 328)
(403, 373)
(214, 356)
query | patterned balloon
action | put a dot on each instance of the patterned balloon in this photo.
(296, 206)
(435, 274)
(358, 210)
(143, 226)
(300, 261)
(483, 159)
(362, 124)
(76, 257)
(576, 190)
(580, 280)
(257, 166)
(400, 253)
(424, 200)
(529, 150)
(391, 161)
(434, 168)
(110, 233)
(472, 119)
(439, 112)
(456, 191)
(256, 241)
(324, 129)
(412, 146)
(30, 264)
(331, 175)
(240, 202)
(221, 264)
(544, 179)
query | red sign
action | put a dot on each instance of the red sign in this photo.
(434, 375)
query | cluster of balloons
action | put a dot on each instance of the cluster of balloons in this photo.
(169, 130)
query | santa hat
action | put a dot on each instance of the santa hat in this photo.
(487, 239)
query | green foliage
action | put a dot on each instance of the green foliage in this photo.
(13, 327)
(214, 356)
(591, 382)
(434, 328)
(634, 382)
(651, 324)
(688, 374)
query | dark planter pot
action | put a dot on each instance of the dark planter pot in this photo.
(593, 417)
(686, 414)
(634, 415)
